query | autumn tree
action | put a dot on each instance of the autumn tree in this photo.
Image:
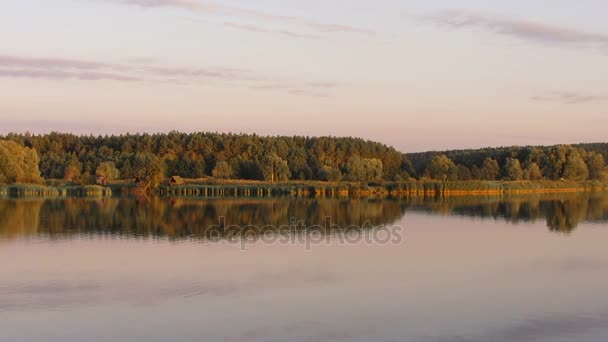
(222, 170)
(18, 164)
(72, 171)
(108, 170)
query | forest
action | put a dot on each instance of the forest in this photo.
(274, 159)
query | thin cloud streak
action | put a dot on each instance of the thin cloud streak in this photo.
(569, 98)
(64, 75)
(84, 70)
(185, 4)
(253, 28)
(249, 14)
(520, 28)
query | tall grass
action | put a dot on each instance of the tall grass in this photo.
(213, 189)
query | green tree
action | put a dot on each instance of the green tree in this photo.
(329, 174)
(275, 168)
(150, 168)
(108, 170)
(364, 169)
(475, 172)
(513, 170)
(222, 170)
(596, 166)
(490, 169)
(463, 173)
(533, 172)
(575, 168)
(439, 167)
(555, 161)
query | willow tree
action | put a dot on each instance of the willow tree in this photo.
(18, 164)
(439, 167)
(149, 168)
(108, 170)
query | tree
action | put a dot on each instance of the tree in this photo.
(439, 167)
(222, 170)
(463, 173)
(490, 169)
(275, 168)
(150, 168)
(555, 161)
(475, 172)
(329, 174)
(364, 169)
(533, 172)
(18, 164)
(575, 168)
(72, 171)
(596, 166)
(513, 170)
(108, 170)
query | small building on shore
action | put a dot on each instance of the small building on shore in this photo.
(175, 180)
(101, 180)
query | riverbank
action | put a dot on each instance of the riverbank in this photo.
(214, 188)
(35, 190)
(210, 188)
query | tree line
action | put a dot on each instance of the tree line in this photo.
(223, 156)
(558, 162)
(252, 157)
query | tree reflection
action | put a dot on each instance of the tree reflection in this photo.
(191, 218)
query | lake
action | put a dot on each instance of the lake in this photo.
(459, 269)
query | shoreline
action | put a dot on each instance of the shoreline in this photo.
(259, 189)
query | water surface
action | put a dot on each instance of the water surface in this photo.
(465, 269)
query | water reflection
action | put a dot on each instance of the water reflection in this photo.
(188, 218)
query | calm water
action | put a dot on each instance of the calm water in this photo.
(462, 269)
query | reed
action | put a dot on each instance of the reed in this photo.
(214, 188)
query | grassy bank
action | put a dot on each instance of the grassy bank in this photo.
(35, 190)
(215, 188)
(210, 188)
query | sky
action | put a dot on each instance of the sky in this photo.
(417, 75)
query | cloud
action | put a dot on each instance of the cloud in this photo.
(64, 75)
(253, 28)
(151, 71)
(249, 14)
(569, 97)
(520, 28)
(185, 4)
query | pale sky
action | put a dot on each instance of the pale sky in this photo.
(417, 75)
